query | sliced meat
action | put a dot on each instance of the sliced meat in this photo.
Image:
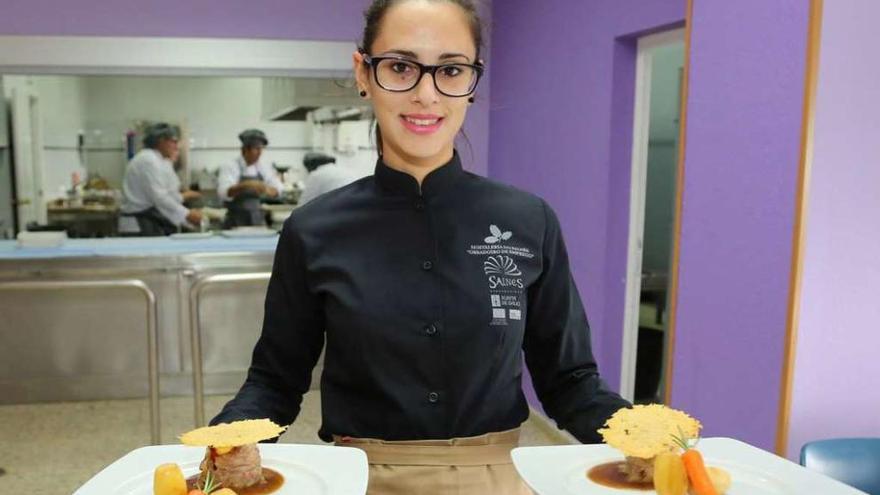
(240, 468)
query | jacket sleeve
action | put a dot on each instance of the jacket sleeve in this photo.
(270, 176)
(227, 177)
(557, 346)
(167, 201)
(291, 341)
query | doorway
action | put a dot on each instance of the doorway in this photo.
(659, 77)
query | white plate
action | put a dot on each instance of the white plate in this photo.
(307, 469)
(191, 235)
(562, 470)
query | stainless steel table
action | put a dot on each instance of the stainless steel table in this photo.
(150, 317)
(84, 342)
(195, 329)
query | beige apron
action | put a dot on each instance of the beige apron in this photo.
(460, 466)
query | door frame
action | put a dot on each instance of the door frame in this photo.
(638, 187)
(27, 157)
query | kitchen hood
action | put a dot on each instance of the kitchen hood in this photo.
(293, 98)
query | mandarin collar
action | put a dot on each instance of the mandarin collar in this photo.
(397, 182)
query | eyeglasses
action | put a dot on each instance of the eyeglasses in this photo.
(400, 74)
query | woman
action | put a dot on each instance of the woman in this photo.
(427, 283)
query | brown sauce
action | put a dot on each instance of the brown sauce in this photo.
(610, 475)
(274, 480)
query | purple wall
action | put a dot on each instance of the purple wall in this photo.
(836, 361)
(743, 123)
(329, 20)
(475, 149)
(561, 74)
(279, 19)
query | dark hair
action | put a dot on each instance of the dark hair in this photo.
(376, 12)
(157, 132)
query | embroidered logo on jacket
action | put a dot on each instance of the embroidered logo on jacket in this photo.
(502, 265)
(504, 277)
(497, 235)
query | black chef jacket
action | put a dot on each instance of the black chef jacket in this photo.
(426, 298)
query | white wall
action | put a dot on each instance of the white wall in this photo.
(62, 101)
(662, 157)
(665, 83)
(214, 110)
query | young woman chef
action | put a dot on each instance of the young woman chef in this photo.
(426, 283)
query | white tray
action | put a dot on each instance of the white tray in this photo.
(307, 469)
(562, 470)
(41, 239)
(191, 235)
(249, 232)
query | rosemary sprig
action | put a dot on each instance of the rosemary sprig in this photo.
(210, 483)
(683, 441)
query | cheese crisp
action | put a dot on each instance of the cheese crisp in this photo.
(646, 431)
(232, 434)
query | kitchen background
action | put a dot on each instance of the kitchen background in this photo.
(569, 139)
(84, 121)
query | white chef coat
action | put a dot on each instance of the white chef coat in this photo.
(325, 179)
(231, 173)
(149, 182)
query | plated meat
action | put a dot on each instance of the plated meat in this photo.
(236, 469)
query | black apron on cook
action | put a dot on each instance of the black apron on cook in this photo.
(152, 223)
(244, 209)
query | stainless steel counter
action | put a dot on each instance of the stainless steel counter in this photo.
(90, 343)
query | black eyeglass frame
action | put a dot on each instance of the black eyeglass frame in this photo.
(373, 62)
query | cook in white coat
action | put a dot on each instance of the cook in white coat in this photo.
(324, 176)
(152, 202)
(244, 181)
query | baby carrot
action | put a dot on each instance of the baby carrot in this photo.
(696, 470)
(701, 483)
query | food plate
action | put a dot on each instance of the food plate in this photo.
(307, 469)
(191, 235)
(214, 213)
(249, 232)
(562, 470)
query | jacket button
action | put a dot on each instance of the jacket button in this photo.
(433, 397)
(427, 265)
(420, 205)
(431, 329)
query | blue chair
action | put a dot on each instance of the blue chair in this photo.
(854, 461)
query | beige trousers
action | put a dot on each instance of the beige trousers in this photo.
(460, 466)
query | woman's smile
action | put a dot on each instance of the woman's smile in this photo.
(422, 123)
